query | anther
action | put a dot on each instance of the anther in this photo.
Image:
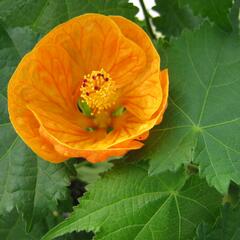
(99, 91)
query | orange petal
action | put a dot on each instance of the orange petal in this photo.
(165, 86)
(91, 40)
(129, 63)
(136, 34)
(117, 151)
(143, 136)
(100, 156)
(144, 100)
(135, 126)
(25, 123)
(142, 94)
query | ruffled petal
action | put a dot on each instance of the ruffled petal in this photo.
(56, 111)
(23, 120)
(136, 127)
(143, 94)
(164, 79)
(91, 40)
(134, 33)
(143, 136)
(119, 151)
(143, 100)
(129, 63)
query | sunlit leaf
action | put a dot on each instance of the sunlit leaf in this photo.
(216, 10)
(174, 18)
(226, 228)
(129, 204)
(202, 123)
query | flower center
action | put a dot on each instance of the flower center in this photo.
(99, 91)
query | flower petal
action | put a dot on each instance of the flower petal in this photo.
(143, 100)
(165, 86)
(91, 40)
(134, 33)
(129, 63)
(100, 156)
(23, 120)
(142, 94)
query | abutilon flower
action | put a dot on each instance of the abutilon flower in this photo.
(92, 88)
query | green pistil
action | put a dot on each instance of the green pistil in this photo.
(119, 111)
(84, 108)
(109, 129)
(90, 129)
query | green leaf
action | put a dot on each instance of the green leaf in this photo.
(226, 228)
(202, 231)
(27, 182)
(234, 16)
(108, 7)
(174, 18)
(202, 122)
(129, 204)
(12, 227)
(90, 173)
(162, 47)
(216, 10)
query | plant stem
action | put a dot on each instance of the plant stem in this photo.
(192, 168)
(71, 169)
(147, 20)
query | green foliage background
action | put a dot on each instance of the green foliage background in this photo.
(183, 184)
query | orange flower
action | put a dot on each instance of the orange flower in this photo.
(91, 88)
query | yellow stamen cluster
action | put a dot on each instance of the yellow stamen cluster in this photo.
(99, 91)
